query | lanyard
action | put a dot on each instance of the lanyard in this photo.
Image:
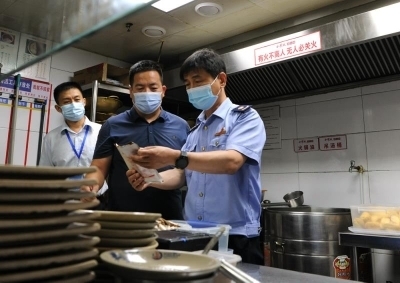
(83, 142)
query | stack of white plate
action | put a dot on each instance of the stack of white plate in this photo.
(126, 230)
(41, 236)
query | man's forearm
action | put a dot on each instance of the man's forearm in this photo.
(173, 179)
(98, 176)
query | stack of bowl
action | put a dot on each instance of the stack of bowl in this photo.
(41, 235)
(126, 230)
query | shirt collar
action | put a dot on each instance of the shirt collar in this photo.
(86, 123)
(134, 115)
(220, 111)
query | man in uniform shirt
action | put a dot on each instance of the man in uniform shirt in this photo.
(221, 158)
(146, 124)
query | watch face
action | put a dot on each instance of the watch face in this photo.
(181, 163)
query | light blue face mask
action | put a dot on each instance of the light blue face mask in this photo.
(73, 111)
(202, 97)
(147, 102)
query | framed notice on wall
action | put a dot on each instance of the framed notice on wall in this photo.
(272, 122)
(9, 42)
(30, 47)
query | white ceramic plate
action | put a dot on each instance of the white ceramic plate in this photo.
(22, 197)
(43, 208)
(41, 172)
(160, 264)
(374, 232)
(20, 276)
(72, 230)
(126, 225)
(126, 243)
(131, 234)
(128, 216)
(150, 246)
(48, 221)
(81, 278)
(44, 184)
(80, 255)
(80, 242)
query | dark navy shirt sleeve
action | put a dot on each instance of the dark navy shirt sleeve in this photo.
(105, 143)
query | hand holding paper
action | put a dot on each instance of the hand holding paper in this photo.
(149, 175)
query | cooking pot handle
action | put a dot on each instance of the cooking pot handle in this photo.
(281, 246)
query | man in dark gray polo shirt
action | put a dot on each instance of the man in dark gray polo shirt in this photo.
(146, 124)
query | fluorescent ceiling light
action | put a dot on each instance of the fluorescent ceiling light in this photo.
(168, 5)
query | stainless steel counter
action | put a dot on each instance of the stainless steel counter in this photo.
(267, 274)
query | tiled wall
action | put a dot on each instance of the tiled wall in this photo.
(370, 117)
(63, 65)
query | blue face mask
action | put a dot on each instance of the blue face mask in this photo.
(202, 97)
(147, 102)
(73, 111)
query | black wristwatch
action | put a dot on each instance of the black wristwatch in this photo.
(183, 161)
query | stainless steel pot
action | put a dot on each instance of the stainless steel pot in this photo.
(305, 238)
(293, 199)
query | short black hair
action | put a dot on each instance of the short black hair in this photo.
(64, 87)
(144, 66)
(205, 59)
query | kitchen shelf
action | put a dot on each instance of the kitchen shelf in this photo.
(356, 240)
(369, 241)
(97, 87)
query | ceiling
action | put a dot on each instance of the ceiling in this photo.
(185, 29)
(242, 24)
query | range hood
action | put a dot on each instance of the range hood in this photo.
(354, 51)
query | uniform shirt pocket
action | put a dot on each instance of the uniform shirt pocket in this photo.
(218, 143)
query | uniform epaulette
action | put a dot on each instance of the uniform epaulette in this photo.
(242, 108)
(194, 128)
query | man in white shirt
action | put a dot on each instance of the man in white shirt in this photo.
(71, 144)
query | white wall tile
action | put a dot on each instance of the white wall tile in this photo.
(339, 190)
(57, 77)
(73, 59)
(383, 150)
(282, 160)
(329, 96)
(3, 144)
(381, 87)
(5, 112)
(35, 120)
(19, 147)
(385, 187)
(382, 111)
(277, 185)
(32, 149)
(341, 116)
(335, 160)
(23, 117)
(288, 122)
